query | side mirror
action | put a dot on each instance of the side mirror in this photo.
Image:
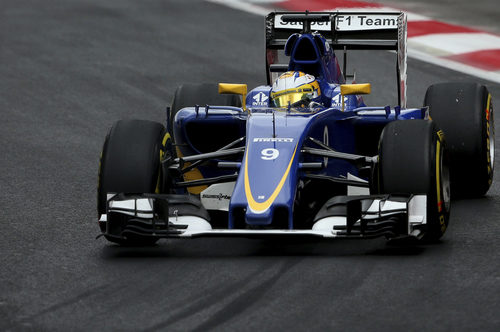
(236, 89)
(354, 89)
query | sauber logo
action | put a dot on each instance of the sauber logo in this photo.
(219, 196)
(347, 22)
(271, 139)
(364, 22)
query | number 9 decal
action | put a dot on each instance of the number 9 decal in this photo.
(269, 154)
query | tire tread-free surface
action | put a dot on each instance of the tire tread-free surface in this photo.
(130, 164)
(411, 161)
(462, 111)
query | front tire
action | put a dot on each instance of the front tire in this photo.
(464, 111)
(130, 163)
(413, 160)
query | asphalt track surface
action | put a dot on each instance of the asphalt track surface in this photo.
(480, 14)
(69, 69)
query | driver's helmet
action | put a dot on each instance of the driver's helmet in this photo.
(296, 89)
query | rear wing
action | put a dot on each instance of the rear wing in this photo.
(344, 31)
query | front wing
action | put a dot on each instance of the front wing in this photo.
(181, 216)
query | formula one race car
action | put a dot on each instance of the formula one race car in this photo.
(302, 155)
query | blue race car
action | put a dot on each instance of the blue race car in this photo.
(302, 155)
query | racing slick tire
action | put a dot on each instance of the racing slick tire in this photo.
(464, 111)
(130, 163)
(413, 160)
(189, 95)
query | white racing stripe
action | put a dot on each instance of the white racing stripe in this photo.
(453, 65)
(443, 44)
(412, 17)
(245, 6)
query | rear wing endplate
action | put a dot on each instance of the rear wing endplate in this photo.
(344, 31)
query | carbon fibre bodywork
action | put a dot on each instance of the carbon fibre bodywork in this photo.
(280, 151)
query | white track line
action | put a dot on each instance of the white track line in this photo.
(456, 43)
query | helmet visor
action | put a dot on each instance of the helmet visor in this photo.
(299, 97)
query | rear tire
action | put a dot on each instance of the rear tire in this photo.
(190, 95)
(130, 163)
(464, 112)
(413, 160)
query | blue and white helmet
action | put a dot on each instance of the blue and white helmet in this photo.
(296, 89)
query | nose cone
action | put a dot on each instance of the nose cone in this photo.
(267, 181)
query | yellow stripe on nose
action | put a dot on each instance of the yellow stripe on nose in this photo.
(263, 206)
